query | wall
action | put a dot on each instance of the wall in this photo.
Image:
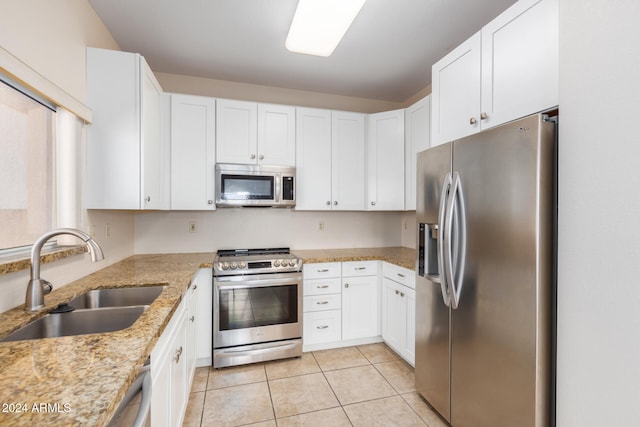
(51, 38)
(599, 211)
(250, 92)
(250, 228)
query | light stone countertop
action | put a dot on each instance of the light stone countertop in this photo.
(401, 256)
(80, 380)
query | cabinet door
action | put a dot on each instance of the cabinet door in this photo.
(236, 131)
(151, 141)
(191, 326)
(179, 391)
(520, 61)
(410, 335)
(192, 152)
(393, 315)
(347, 161)
(276, 135)
(360, 307)
(313, 159)
(321, 327)
(204, 281)
(417, 127)
(385, 161)
(455, 98)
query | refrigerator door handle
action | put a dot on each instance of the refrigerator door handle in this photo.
(444, 194)
(455, 205)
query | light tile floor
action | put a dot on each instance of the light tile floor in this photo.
(366, 385)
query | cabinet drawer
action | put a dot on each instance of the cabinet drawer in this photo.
(359, 268)
(321, 286)
(399, 274)
(322, 302)
(322, 326)
(321, 270)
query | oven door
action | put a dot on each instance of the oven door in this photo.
(256, 309)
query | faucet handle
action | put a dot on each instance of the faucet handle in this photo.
(47, 287)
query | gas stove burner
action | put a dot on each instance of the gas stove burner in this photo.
(231, 262)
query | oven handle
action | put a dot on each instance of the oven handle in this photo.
(238, 353)
(244, 284)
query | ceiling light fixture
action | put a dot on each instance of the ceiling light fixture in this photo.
(319, 25)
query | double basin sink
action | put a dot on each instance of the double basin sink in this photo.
(96, 311)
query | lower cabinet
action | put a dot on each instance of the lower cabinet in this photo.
(399, 311)
(173, 364)
(360, 307)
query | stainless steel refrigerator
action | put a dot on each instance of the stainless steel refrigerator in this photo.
(485, 280)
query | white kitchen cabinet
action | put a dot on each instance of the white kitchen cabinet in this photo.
(193, 295)
(251, 133)
(507, 70)
(322, 322)
(360, 300)
(417, 127)
(203, 280)
(347, 161)
(276, 135)
(385, 161)
(192, 152)
(330, 160)
(125, 149)
(169, 372)
(398, 310)
(313, 159)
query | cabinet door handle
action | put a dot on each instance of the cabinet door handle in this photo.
(346, 285)
(335, 203)
(176, 358)
(192, 318)
(473, 121)
(147, 199)
(373, 203)
(322, 286)
(322, 302)
(253, 156)
(261, 157)
(401, 275)
(401, 294)
(322, 327)
(209, 202)
(397, 292)
(195, 287)
(483, 116)
(328, 203)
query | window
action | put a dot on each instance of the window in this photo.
(26, 168)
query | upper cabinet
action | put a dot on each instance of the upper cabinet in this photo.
(251, 133)
(125, 149)
(193, 121)
(417, 128)
(507, 70)
(385, 161)
(330, 165)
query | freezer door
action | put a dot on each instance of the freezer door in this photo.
(501, 329)
(432, 314)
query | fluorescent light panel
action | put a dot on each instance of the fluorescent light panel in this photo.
(319, 25)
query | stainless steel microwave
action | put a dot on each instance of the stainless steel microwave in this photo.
(255, 186)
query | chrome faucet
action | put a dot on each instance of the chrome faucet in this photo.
(38, 288)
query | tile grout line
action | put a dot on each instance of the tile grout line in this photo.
(330, 387)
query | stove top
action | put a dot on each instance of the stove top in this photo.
(231, 262)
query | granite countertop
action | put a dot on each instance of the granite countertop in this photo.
(80, 380)
(401, 256)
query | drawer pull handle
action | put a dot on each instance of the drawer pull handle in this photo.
(397, 292)
(361, 268)
(322, 327)
(322, 286)
(401, 275)
(401, 294)
(324, 270)
(322, 302)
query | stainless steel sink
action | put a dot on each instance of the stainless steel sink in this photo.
(79, 322)
(117, 297)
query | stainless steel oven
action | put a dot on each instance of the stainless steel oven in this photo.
(257, 306)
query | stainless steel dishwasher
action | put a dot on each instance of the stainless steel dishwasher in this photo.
(133, 410)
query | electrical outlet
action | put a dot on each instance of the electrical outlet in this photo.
(192, 227)
(107, 230)
(321, 226)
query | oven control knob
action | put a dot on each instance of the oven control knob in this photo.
(276, 263)
(224, 265)
(291, 263)
(234, 265)
(243, 265)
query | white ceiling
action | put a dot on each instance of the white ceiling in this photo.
(386, 54)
